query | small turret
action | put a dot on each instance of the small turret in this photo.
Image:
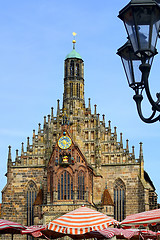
(89, 104)
(103, 120)
(27, 143)
(16, 155)
(58, 108)
(44, 124)
(109, 128)
(127, 146)
(133, 154)
(9, 164)
(52, 116)
(141, 151)
(39, 128)
(33, 133)
(95, 109)
(121, 140)
(141, 161)
(115, 133)
(9, 154)
(49, 120)
(98, 119)
(22, 149)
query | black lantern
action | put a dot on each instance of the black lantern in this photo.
(142, 22)
(131, 63)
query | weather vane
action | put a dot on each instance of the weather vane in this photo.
(74, 41)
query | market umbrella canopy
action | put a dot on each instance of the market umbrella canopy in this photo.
(41, 231)
(34, 231)
(143, 218)
(81, 221)
(127, 233)
(10, 227)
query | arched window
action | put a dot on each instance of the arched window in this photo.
(81, 189)
(77, 69)
(65, 186)
(119, 200)
(72, 68)
(31, 196)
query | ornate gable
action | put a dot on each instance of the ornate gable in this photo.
(69, 176)
(66, 152)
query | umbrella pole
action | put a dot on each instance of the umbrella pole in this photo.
(12, 236)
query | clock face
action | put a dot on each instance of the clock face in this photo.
(64, 142)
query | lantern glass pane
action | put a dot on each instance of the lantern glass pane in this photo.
(132, 71)
(130, 27)
(137, 72)
(128, 70)
(147, 26)
(143, 34)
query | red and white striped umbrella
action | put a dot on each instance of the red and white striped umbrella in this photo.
(35, 230)
(41, 230)
(143, 218)
(10, 227)
(126, 233)
(81, 221)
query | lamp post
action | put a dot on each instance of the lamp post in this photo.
(142, 22)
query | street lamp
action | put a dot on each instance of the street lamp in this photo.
(142, 22)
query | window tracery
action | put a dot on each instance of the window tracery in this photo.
(65, 186)
(119, 200)
(81, 188)
(31, 196)
(77, 69)
(72, 68)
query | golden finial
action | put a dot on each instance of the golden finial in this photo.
(74, 41)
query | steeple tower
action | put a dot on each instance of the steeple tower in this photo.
(73, 96)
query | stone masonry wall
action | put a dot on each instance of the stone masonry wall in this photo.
(129, 174)
(14, 206)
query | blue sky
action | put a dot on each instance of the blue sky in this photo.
(36, 35)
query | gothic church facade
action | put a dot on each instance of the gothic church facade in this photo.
(75, 159)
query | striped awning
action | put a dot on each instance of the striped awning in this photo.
(81, 221)
(10, 227)
(143, 218)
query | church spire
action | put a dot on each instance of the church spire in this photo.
(73, 96)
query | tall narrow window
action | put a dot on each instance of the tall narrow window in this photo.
(78, 90)
(65, 186)
(71, 89)
(77, 69)
(51, 185)
(31, 196)
(81, 189)
(119, 200)
(72, 68)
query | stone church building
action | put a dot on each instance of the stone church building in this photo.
(75, 158)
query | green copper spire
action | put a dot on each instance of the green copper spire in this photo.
(73, 53)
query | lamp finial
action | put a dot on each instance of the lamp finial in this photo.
(74, 41)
